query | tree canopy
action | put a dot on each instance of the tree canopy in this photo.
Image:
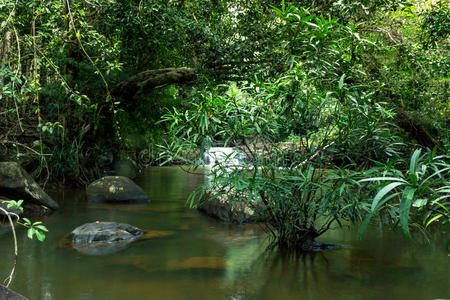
(347, 84)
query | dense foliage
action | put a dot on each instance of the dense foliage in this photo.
(318, 94)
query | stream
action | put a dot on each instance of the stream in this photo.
(191, 256)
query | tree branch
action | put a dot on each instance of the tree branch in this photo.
(16, 251)
(151, 79)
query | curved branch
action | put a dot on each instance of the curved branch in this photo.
(16, 251)
(152, 79)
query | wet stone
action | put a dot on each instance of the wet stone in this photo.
(7, 294)
(103, 237)
(115, 190)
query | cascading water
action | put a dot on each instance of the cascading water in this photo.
(225, 156)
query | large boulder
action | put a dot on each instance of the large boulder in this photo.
(115, 189)
(222, 207)
(103, 237)
(16, 183)
(7, 294)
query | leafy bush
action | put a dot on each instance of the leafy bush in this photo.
(300, 190)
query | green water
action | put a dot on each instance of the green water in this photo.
(194, 257)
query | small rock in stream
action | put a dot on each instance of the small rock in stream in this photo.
(103, 237)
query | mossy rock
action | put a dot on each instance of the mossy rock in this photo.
(17, 184)
(226, 209)
(115, 189)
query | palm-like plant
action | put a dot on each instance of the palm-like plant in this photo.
(424, 187)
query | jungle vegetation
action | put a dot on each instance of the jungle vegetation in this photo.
(342, 107)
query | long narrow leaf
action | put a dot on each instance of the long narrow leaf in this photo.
(341, 82)
(363, 226)
(383, 193)
(413, 163)
(383, 178)
(433, 219)
(435, 173)
(386, 199)
(443, 206)
(405, 205)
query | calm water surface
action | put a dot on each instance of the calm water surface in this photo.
(194, 257)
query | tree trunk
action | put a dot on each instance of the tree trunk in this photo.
(6, 47)
(417, 129)
(152, 79)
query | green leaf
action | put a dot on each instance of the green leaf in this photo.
(30, 233)
(405, 206)
(382, 179)
(363, 226)
(435, 173)
(433, 219)
(420, 202)
(413, 163)
(383, 193)
(312, 24)
(42, 227)
(341, 82)
(443, 207)
(40, 236)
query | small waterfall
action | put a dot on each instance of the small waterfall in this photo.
(226, 156)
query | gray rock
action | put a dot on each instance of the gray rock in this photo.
(101, 248)
(16, 183)
(7, 294)
(106, 232)
(115, 189)
(101, 238)
(224, 209)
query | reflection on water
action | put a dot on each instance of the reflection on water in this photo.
(189, 256)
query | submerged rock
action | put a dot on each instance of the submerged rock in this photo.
(227, 210)
(217, 263)
(115, 189)
(316, 247)
(101, 248)
(103, 237)
(17, 184)
(7, 294)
